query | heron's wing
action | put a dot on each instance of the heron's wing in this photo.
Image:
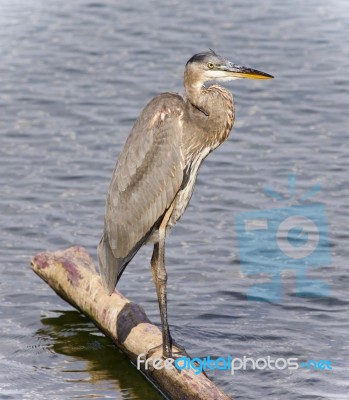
(147, 176)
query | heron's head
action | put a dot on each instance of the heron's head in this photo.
(209, 66)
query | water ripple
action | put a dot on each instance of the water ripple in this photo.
(73, 77)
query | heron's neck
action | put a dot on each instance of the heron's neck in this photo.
(214, 101)
(195, 90)
(215, 117)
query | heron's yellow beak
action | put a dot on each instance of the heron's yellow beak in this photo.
(237, 71)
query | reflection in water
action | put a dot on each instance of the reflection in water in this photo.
(74, 335)
(74, 75)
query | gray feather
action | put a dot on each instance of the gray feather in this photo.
(109, 266)
(145, 181)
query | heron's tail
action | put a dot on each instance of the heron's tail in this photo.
(109, 267)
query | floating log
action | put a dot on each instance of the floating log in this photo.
(72, 275)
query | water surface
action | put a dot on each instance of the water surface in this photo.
(73, 78)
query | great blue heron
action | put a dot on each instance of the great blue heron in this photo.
(155, 174)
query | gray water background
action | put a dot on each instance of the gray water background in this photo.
(74, 75)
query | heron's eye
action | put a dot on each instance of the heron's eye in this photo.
(210, 66)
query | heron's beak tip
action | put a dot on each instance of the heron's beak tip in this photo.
(245, 72)
(259, 75)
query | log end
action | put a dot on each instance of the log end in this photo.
(72, 275)
(72, 260)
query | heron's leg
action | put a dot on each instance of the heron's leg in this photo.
(160, 278)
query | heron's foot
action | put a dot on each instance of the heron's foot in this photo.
(178, 353)
(181, 352)
(153, 350)
(168, 352)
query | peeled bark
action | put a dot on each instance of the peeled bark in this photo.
(72, 275)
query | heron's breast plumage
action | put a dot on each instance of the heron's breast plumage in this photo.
(200, 136)
(184, 194)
